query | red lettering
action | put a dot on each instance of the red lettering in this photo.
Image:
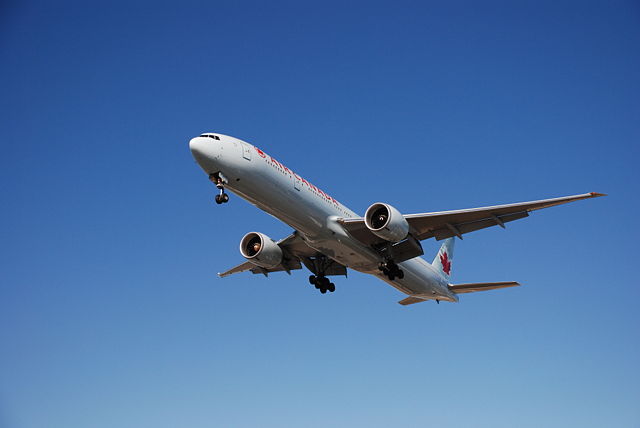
(260, 152)
(275, 161)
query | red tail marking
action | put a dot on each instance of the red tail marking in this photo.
(446, 263)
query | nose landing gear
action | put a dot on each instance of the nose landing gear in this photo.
(391, 270)
(322, 283)
(221, 198)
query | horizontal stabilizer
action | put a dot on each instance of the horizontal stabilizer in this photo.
(480, 286)
(411, 300)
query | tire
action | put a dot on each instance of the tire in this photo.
(332, 287)
(391, 277)
(323, 290)
(312, 279)
(400, 274)
(218, 199)
(225, 197)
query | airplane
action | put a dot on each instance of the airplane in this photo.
(328, 237)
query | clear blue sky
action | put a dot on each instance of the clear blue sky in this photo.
(110, 311)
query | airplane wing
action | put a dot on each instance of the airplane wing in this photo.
(294, 250)
(445, 224)
(257, 269)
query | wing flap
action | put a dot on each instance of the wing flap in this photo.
(243, 267)
(481, 286)
(462, 228)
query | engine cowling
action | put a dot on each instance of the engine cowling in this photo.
(386, 222)
(260, 250)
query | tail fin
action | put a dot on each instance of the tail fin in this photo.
(444, 258)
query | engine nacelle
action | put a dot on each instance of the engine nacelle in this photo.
(386, 222)
(260, 250)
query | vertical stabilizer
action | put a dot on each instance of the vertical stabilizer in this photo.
(444, 258)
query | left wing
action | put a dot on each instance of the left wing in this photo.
(445, 224)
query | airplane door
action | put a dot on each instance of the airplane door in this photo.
(296, 182)
(246, 152)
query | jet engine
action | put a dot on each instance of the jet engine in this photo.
(386, 222)
(260, 250)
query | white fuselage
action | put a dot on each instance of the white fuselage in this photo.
(274, 188)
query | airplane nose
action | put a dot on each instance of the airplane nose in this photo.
(205, 151)
(198, 147)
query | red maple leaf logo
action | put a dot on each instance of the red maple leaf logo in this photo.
(446, 263)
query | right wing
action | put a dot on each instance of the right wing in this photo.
(295, 252)
(481, 286)
(445, 224)
(293, 249)
(247, 266)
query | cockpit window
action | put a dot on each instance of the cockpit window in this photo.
(215, 137)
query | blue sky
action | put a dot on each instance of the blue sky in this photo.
(110, 310)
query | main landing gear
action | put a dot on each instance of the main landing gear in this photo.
(391, 270)
(320, 265)
(221, 198)
(322, 283)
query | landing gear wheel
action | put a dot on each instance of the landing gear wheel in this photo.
(322, 283)
(217, 179)
(391, 270)
(222, 198)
